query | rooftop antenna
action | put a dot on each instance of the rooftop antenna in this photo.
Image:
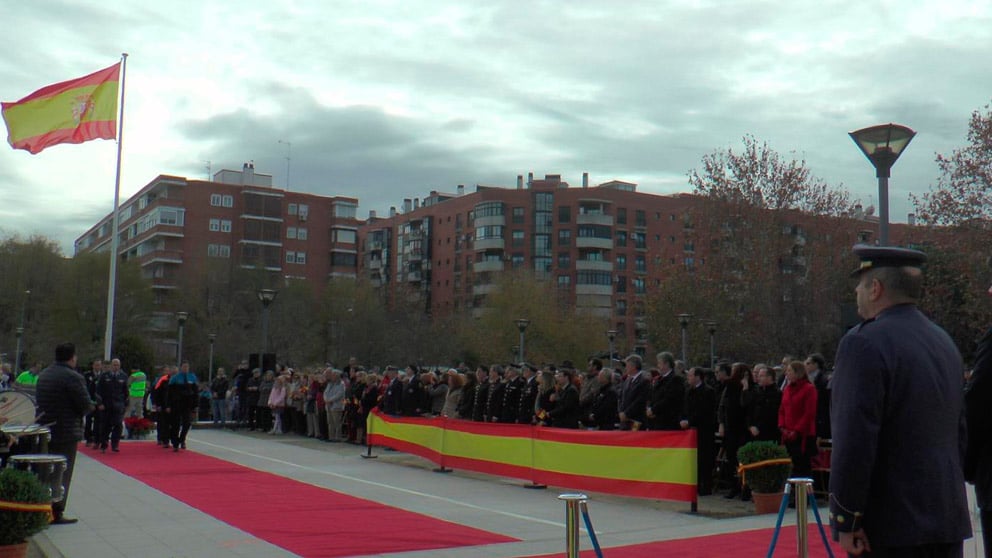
(289, 156)
(209, 168)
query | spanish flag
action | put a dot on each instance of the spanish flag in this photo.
(73, 111)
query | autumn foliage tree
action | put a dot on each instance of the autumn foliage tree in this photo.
(768, 274)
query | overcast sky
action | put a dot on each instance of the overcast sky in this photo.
(386, 100)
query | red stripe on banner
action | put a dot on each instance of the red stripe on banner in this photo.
(637, 489)
(112, 73)
(86, 131)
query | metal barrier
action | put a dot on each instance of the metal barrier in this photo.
(573, 504)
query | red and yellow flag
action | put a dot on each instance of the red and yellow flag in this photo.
(73, 111)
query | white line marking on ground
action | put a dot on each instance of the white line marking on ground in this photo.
(383, 485)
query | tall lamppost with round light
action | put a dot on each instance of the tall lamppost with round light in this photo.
(684, 320)
(522, 324)
(882, 145)
(20, 332)
(266, 297)
(611, 334)
(181, 317)
(711, 328)
(210, 366)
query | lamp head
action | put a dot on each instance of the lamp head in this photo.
(882, 145)
(522, 324)
(181, 317)
(266, 296)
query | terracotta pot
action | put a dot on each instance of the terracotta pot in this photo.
(766, 502)
(14, 550)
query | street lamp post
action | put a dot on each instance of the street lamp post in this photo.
(522, 326)
(711, 327)
(181, 317)
(882, 145)
(210, 366)
(612, 336)
(17, 355)
(684, 323)
(265, 296)
(20, 333)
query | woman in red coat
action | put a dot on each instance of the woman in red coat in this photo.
(797, 418)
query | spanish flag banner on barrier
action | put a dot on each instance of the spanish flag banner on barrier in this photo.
(656, 465)
(73, 111)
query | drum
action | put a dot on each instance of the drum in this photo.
(32, 438)
(48, 468)
(17, 408)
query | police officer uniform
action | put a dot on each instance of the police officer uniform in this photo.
(896, 414)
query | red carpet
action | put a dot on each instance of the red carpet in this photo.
(299, 517)
(749, 544)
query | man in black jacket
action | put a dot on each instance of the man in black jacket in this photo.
(700, 413)
(112, 400)
(566, 412)
(762, 413)
(63, 400)
(978, 456)
(667, 396)
(91, 424)
(634, 394)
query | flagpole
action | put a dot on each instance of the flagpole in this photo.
(108, 337)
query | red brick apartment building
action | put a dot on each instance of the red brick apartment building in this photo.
(174, 226)
(601, 244)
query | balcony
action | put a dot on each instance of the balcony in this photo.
(600, 290)
(163, 283)
(414, 255)
(375, 265)
(161, 256)
(479, 290)
(594, 242)
(593, 265)
(487, 265)
(376, 245)
(490, 221)
(594, 219)
(414, 277)
(489, 244)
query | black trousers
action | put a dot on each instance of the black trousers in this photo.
(111, 426)
(68, 449)
(986, 517)
(180, 421)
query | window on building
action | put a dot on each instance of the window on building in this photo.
(301, 257)
(344, 236)
(218, 251)
(593, 278)
(639, 286)
(564, 237)
(639, 240)
(518, 215)
(517, 260)
(225, 225)
(227, 201)
(621, 262)
(292, 209)
(214, 225)
(564, 214)
(489, 209)
(518, 238)
(621, 239)
(564, 260)
(621, 283)
(301, 233)
(564, 281)
(639, 218)
(345, 210)
(291, 232)
(216, 200)
(303, 211)
(343, 259)
(290, 257)
(640, 265)
(621, 215)
(621, 307)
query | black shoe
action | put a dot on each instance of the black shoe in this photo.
(63, 520)
(116, 450)
(182, 445)
(732, 494)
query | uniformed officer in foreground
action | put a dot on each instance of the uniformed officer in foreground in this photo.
(896, 483)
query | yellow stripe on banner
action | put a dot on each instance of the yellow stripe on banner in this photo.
(428, 436)
(41, 116)
(498, 449)
(672, 465)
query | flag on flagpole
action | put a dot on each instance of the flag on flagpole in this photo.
(72, 111)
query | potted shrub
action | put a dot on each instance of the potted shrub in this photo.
(766, 467)
(21, 489)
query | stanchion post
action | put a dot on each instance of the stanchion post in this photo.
(802, 486)
(534, 485)
(572, 502)
(368, 438)
(444, 430)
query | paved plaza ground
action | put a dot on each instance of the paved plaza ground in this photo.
(121, 517)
